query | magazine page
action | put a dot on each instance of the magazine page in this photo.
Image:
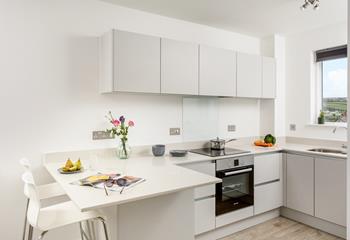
(110, 182)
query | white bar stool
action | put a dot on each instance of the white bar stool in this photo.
(55, 216)
(45, 191)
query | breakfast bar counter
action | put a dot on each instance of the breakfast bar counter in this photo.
(163, 201)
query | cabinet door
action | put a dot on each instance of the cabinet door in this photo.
(267, 167)
(206, 168)
(204, 215)
(137, 63)
(179, 64)
(268, 197)
(330, 190)
(217, 72)
(300, 183)
(249, 76)
(268, 77)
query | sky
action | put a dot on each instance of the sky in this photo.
(335, 78)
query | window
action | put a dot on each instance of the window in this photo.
(333, 65)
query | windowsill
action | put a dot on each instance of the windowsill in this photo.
(329, 125)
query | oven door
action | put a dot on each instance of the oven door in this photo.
(236, 190)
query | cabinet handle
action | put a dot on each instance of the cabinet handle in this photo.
(238, 171)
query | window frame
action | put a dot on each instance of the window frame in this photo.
(319, 85)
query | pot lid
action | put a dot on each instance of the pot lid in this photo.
(217, 140)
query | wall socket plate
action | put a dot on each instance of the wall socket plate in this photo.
(231, 128)
(101, 135)
(174, 131)
(292, 127)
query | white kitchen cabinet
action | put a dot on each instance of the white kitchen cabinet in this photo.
(267, 168)
(330, 190)
(249, 75)
(300, 183)
(206, 168)
(204, 198)
(234, 216)
(268, 197)
(204, 215)
(130, 62)
(268, 77)
(179, 67)
(217, 72)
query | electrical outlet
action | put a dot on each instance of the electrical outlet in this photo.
(231, 128)
(174, 131)
(293, 127)
(101, 135)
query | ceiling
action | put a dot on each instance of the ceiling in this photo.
(252, 17)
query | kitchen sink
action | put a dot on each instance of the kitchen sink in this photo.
(327, 150)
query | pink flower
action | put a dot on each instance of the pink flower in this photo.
(131, 123)
(115, 122)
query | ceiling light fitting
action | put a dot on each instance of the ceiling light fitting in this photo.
(314, 3)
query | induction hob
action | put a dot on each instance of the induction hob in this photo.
(217, 153)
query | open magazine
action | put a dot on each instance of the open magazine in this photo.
(110, 182)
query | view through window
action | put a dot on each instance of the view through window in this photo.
(334, 89)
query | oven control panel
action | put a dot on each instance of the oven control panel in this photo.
(234, 162)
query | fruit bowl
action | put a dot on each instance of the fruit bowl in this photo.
(62, 171)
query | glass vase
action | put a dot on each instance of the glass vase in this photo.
(123, 150)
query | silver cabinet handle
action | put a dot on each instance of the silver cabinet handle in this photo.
(238, 171)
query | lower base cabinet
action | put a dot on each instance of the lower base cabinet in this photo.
(300, 183)
(234, 216)
(204, 199)
(330, 190)
(204, 211)
(268, 197)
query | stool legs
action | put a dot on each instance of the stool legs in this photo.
(25, 221)
(30, 232)
(42, 235)
(81, 230)
(104, 227)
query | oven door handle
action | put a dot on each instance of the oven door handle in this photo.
(238, 172)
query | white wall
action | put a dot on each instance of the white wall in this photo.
(49, 97)
(300, 76)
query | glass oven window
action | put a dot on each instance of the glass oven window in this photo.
(235, 186)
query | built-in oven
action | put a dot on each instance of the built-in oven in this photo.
(236, 190)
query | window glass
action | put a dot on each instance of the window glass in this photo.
(334, 89)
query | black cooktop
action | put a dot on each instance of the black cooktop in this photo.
(217, 153)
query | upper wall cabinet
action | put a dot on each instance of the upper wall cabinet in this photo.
(249, 75)
(217, 72)
(130, 62)
(179, 67)
(268, 77)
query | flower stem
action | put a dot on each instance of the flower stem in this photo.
(124, 147)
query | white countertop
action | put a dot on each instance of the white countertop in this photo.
(255, 150)
(161, 177)
(162, 174)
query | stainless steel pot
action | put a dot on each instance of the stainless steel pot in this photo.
(219, 144)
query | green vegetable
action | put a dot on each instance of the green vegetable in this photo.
(270, 139)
